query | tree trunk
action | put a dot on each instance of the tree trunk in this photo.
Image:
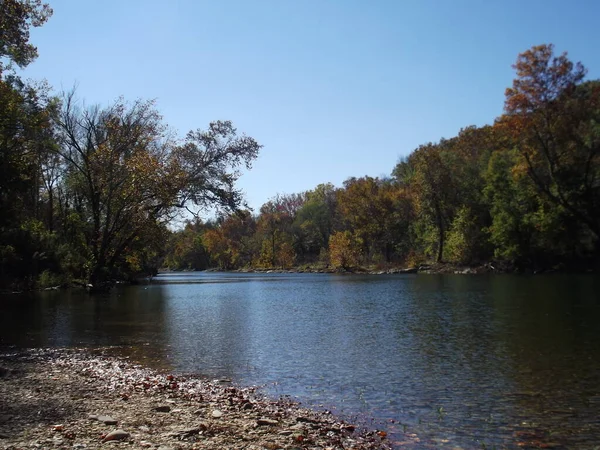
(440, 226)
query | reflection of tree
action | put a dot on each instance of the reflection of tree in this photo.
(501, 354)
(552, 341)
(131, 317)
(455, 353)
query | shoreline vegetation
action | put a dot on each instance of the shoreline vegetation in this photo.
(425, 269)
(86, 398)
(521, 195)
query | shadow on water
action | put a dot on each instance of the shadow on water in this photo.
(130, 317)
(438, 360)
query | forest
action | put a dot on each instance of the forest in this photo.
(88, 194)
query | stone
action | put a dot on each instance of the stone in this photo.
(216, 414)
(117, 435)
(107, 420)
(162, 409)
(266, 422)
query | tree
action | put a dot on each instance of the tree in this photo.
(229, 243)
(186, 248)
(16, 17)
(343, 250)
(274, 225)
(25, 136)
(313, 223)
(209, 161)
(553, 118)
(127, 174)
(434, 190)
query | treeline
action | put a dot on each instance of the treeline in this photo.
(524, 192)
(86, 193)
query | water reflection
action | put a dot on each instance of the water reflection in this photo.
(456, 360)
(131, 317)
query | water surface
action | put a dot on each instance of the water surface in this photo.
(439, 361)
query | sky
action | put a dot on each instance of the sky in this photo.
(331, 88)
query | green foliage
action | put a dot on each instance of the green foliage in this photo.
(48, 279)
(465, 238)
(87, 193)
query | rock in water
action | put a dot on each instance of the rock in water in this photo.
(117, 435)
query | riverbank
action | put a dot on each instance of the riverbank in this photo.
(435, 268)
(79, 399)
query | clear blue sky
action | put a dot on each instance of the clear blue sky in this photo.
(332, 89)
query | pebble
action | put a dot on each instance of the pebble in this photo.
(223, 415)
(266, 422)
(116, 435)
(162, 408)
(107, 420)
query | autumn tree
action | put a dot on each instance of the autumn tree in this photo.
(344, 250)
(274, 225)
(314, 221)
(186, 248)
(553, 118)
(369, 208)
(434, 192)
(128, 174)
(229, 243)
(16, 18)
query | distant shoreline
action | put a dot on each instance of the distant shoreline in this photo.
(434, 268)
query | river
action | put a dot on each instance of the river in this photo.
(438, 361)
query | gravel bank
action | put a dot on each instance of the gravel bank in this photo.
(78, 399)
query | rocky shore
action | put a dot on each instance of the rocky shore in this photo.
(80, 399)
(436, 268)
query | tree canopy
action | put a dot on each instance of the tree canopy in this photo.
(522, 192)
(88, 193)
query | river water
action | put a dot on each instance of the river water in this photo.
(438, 361)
